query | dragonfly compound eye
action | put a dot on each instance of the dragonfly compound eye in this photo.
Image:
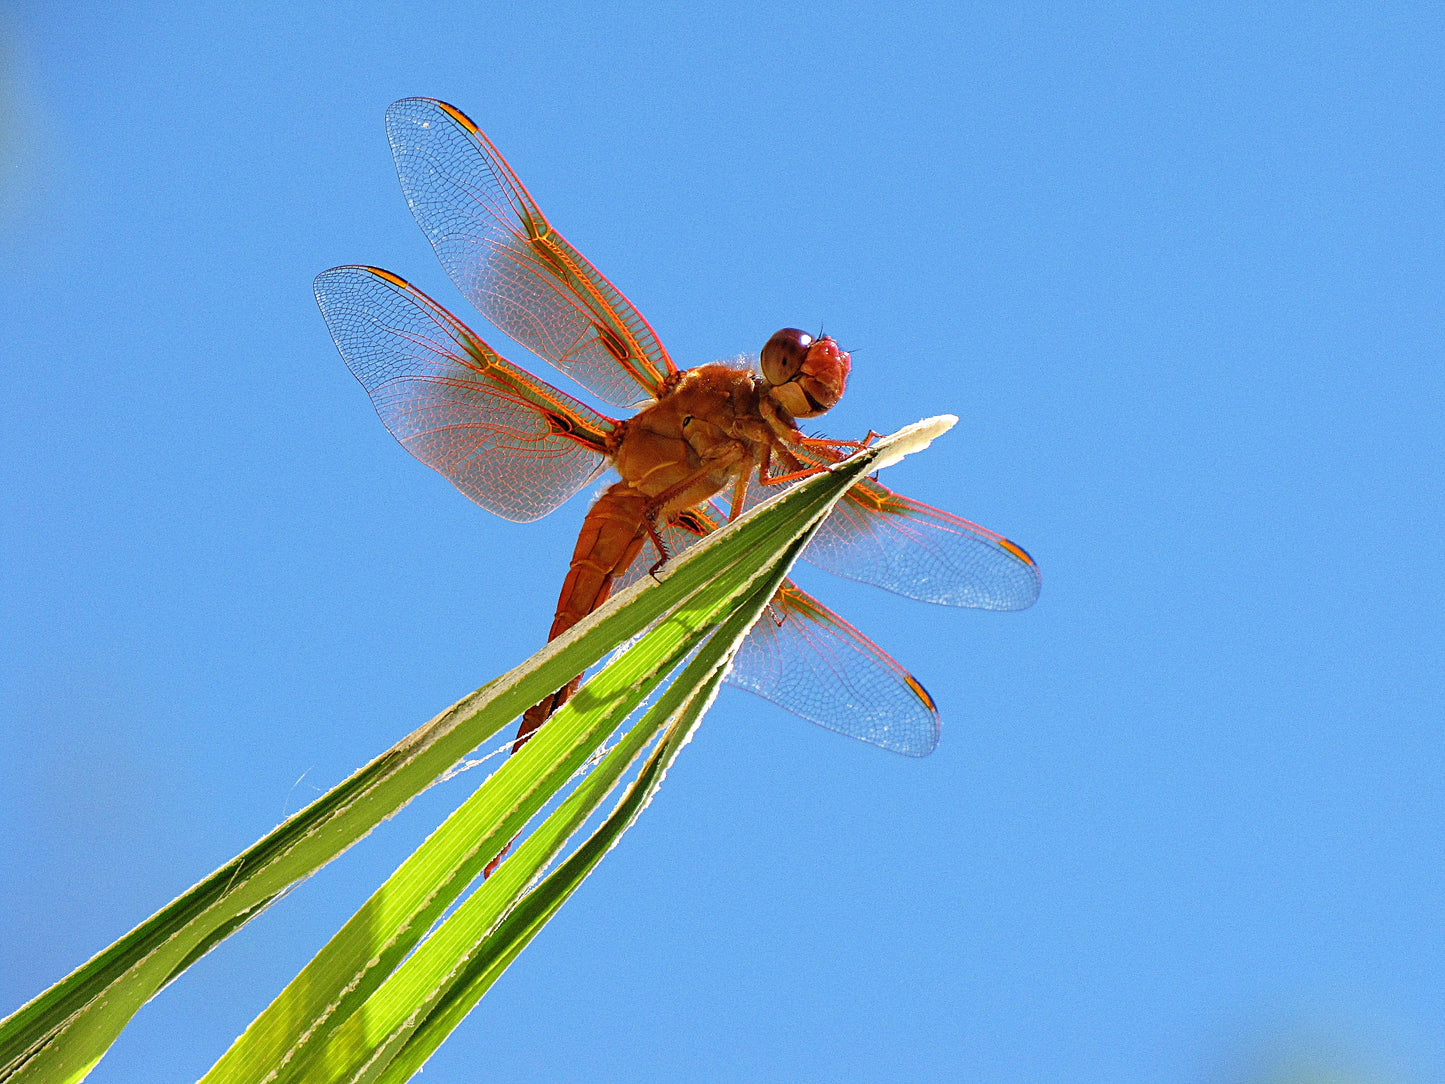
(806, 375)
(783, 355)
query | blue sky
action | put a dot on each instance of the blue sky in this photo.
(1176, 269)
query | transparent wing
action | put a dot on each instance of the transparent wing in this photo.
(511, 264)
(510, 442)
(805, 658)
(883, 538)
(880, 537)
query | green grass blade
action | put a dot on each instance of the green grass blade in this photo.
(390, 923)
(454, 966)
(60, 1035)
(506, 941)
(398, 1028)
(63, 1032)
(348, 968)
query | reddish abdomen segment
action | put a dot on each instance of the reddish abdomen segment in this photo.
(610, 539)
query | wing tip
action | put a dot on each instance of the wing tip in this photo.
(345, 269)
(923, 695)
(917, 749)
(1018, 551)
(1015, 550)
(402, 109)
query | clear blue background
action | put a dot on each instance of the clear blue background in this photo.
(1178, 271)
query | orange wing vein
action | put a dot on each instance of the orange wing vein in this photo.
(883, 538)
(880, 537)
(509, 262)
(806, 659)
(512, 443)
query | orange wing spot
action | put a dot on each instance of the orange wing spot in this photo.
(460, 117)
(543, 247)
(920, 692)
(610, 339)
(1016, 550)
(560, 424)
(395, 280)
(691, 521)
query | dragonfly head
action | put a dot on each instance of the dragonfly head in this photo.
(806, 376)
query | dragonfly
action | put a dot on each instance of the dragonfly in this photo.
(520, 447)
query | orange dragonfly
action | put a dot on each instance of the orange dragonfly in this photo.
(520, 447)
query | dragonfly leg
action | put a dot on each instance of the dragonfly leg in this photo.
(797, 469)
(688, 490)
(851, 445)
(650, 522)
(740, 491)
(834, 450)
